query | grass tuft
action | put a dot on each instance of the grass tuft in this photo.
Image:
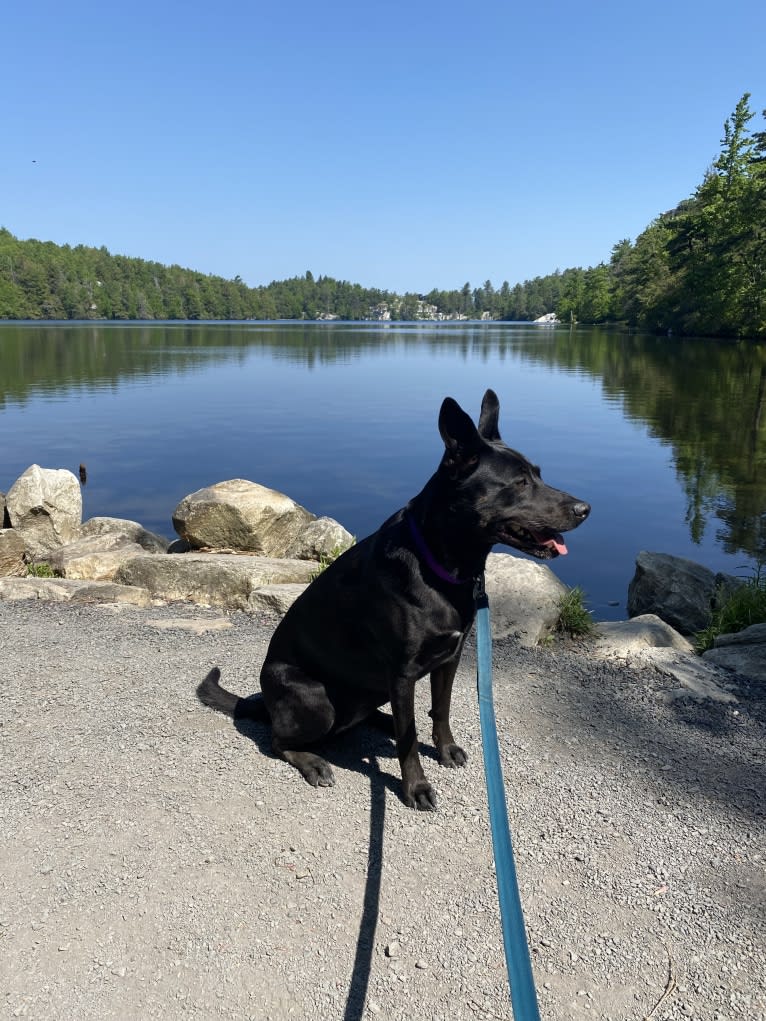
(42, 570)
(574, 619)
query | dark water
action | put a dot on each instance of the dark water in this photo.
(666, 438)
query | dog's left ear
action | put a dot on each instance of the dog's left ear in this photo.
(488, 419)
(461, 438)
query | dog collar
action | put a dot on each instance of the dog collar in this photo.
(427, 555)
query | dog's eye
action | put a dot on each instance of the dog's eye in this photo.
(522, 481)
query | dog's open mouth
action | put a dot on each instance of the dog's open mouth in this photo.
(544, 544)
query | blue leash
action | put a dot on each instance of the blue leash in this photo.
(523, 996)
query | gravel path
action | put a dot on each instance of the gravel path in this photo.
(157, 862)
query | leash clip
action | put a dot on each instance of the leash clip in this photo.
(479, 592)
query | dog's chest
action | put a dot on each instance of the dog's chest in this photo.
(437, 649)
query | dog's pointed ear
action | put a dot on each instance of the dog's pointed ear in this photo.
(488, 419)
(461, 438)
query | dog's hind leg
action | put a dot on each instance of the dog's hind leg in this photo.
(450, 754)
(301, 714)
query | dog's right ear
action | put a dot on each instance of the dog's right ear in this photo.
(488, 419)
(461, 438)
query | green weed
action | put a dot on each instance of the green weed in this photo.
(325, 559)
(42, 570)
(574, 619)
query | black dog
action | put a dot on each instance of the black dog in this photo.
(399, 604)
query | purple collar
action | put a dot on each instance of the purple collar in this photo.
(428, 557)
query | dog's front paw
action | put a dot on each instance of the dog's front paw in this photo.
(452, 755)
(421, 796)
(319, 775)
(312, 767)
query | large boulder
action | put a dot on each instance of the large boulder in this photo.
(242, 516)
(12, 553)
(524, 597)
(45, 505)
(679, 591)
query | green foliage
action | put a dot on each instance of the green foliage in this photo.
(701, 268)
(40, 280)
(42, 570)
(697, 269)
(574, 618)
(746, 605)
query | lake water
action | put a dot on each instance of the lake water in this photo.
(665, 438)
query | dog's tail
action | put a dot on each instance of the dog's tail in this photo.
(210, 693)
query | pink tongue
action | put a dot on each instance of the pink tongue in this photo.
(557, 544)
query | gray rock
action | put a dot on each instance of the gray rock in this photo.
(4, 519)
(323, 537)
(743, 652)
(132, 530)
(275, 598)
(212, 579)
(647, 641)
(698, 679)
(625, 638)
(64, 590)
(45, 504)
(242, 516)
(95, 557)
(679, 591)
(753, 635)
(12, 553)
(524, 597)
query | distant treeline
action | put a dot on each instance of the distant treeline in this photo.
(41, 280)
(698, 269)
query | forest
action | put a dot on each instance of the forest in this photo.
(698, 269)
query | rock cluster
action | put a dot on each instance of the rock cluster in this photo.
(242, 546)
(261, 548)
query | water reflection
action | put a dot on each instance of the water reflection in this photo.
(703, 400)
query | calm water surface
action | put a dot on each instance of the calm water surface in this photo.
(666, 438)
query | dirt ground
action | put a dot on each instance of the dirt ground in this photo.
(158, 862)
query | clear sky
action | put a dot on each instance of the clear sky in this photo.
(405, 145)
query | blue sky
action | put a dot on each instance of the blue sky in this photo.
(400, 145)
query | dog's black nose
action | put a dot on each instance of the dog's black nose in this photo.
(581, 510)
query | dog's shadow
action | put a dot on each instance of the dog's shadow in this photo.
(360, 749)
